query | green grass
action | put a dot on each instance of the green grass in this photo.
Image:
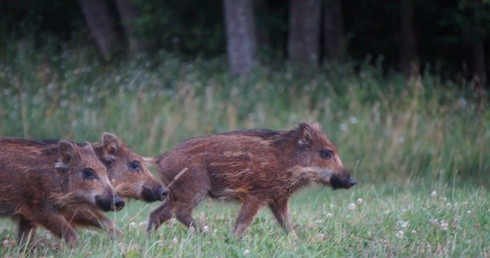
(401, 139)
(370, 220)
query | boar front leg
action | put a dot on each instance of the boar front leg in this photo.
(60, 227)
(26, 231)
(250, 206)
(93, 218)
(280, 210)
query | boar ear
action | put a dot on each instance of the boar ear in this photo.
(68, 153)
(111, 145)
(305, 135)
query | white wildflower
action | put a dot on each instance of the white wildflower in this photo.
(400, 234)
(246, 252)
(444, 225)
(359, 201)
(402, 224)
(343, 127)
(434, 222)
(353, 120)
(132, 225)
(352, 206)
(433, 194)
(205, 229)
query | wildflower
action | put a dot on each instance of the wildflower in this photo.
(352, 206)
(444, 225)
(328, 215)
(321, 236)
(343, 127)
(400, 234)
(353, 120)
(5, 243)
(246, 252)
(433, 194)
(402, 224)
(205, 229)
(359, 201)
(434, 222)
(132, 225)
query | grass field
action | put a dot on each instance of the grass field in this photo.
(418, 148)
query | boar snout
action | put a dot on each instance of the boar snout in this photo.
(156, 194)
(342, 182)
(110, 202)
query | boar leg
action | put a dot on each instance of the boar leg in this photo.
(184, 215)
(96, 219)
(58, 225)
(280, 210)
(249, 209)
(26, 231)
(159, 216)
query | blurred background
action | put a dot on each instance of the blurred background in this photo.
(400, 86)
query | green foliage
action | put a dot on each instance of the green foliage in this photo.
(186, 27)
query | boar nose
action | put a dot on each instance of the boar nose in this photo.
(118, 203)
(162, 193)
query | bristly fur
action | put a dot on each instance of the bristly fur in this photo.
(256, 167)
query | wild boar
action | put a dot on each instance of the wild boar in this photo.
(256, 167)
(38, 182)
(129, 176)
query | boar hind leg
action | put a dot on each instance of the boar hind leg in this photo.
(249, 209)
(26, 231)
(280, 210)
(159, 216)
(58, 225)
(184, 215)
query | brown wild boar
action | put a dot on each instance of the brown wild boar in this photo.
(129, 176)
(256, 167)
(39, 181)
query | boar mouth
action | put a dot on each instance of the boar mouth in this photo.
(155, 194)
(338, 182)
(110, 204)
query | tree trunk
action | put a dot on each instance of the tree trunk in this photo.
(408, 45)
(304, 35)
(241, 39)
(129, 13)
(103, 27)
(478, 62)
(333, 33)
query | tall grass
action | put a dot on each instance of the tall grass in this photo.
(387, 128)
(401, 138)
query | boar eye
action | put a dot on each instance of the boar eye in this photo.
(326, 154)
(134, 165)
(89, 174)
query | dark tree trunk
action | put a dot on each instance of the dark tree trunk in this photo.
(333, 34)
(478, 62)
(241, 39)
(304, 35)
(263, 34)
(408, 44)
(103, 27)
(129, 13)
